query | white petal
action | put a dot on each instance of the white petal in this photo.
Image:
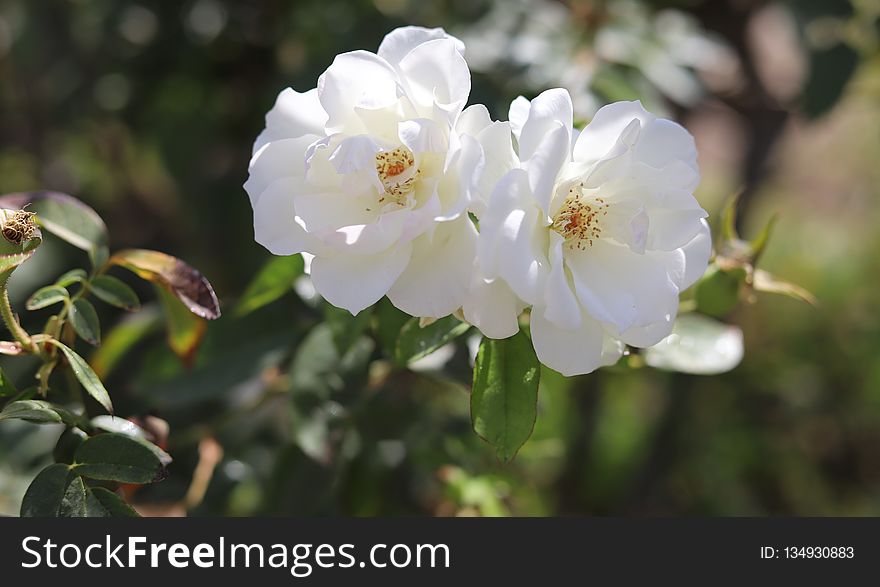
(518, 114)
(574, 351)
(357, 153)
(624, 288)
(492, 307)
(295, 114)
(672, 229)
(663, 141)
(546, 163)
(561, 305)
(399, 42)
(513, 241)
(646, 336)
(354, 282)
(358, 79)
(550, 110)
(473, 119)
(275, 225)
(697, 253)
(436, 73)
(422, 135)
(436, 280)
(497, 144)
(458, 186)
(276, 160)
(602, 133)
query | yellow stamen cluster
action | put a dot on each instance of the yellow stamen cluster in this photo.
(394, 172)
(578, 219)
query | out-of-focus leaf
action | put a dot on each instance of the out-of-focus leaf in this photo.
(389, 321)
(717, 292)
(111, 505)
(89, 380)
(172, 274)
(185, 329)
(274, 280)
(64, 216)
(71, 277)
(38, 411)
(699, 345)
(415, 342)
(505, 394)
(319, 369)
(766, 282)
(44, 495)
(346, 328)
(115, 292)
(117, 457)
(67, 444)
(759, 243)
(728, 220)
(46, 296)
(7, 388)
(123, 337)
(85, 321)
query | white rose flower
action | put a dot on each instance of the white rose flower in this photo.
(599, 232)
(370, 174)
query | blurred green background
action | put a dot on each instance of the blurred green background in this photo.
(147, 112)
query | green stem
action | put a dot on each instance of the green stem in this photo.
(12, 324)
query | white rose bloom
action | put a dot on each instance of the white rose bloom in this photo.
(599, 232)
(370, 174)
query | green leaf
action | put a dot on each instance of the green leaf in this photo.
(9, 262)
(64, 216)
(346, 328)
(7, 388)
(89, 380)
(44, 495)
(415, 341)
(505, 394)
(71, 277)
(185, 329)
(699, 345)
(115, 292)
(74, 504)
(124, 337)
(46, 296)
(112, 505)
(274, 280)
(117, 457)
(67, 444)
(174, 276)
(389, 322)
(717, 292)
(85, 321)
(38, 411)
(759, 243)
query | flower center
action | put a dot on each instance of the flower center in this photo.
(397, 173)
(578, 221)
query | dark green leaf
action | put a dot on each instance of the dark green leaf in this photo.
(7, 389)
(90, 382)
(346, 328)
(115, 292)
(505, 393)
(74, 504)
(46, 296)
(44, 495)
(416, 341)
(124, 337)
(117, 457)
(389, 322)
(112, 505)
(85, 321)
(38, 411)
(67, 444)
(274, 280)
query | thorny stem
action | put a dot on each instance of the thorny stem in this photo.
(12, 324)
